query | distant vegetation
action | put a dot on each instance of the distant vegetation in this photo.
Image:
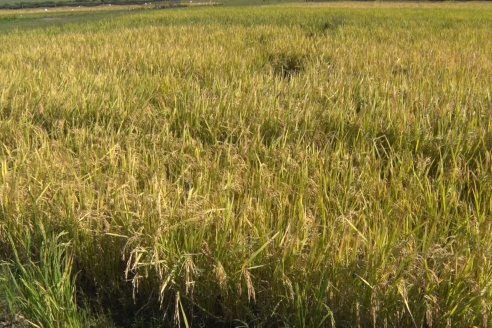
(20, 4)
(16, 4)
(274, 166)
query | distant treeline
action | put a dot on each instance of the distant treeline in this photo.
(398, 0)
(87, 3)
(163, 3)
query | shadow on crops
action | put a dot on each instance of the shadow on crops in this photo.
(286, 65)
(324, 27)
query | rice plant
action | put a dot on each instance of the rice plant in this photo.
(294, 166)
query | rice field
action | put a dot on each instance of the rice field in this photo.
(318, 165)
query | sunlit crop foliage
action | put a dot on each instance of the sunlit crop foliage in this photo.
(275, 166)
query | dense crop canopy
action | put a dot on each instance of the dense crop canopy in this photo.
(275, 166)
